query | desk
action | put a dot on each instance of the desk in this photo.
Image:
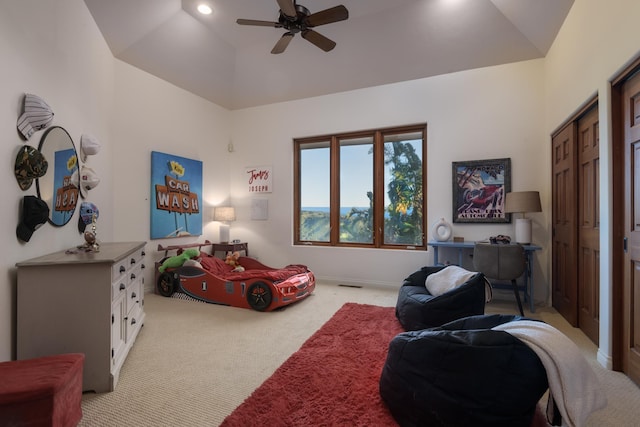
(528, 252)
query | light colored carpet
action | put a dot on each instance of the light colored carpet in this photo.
(194, 363)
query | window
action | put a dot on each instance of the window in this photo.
(363, 189)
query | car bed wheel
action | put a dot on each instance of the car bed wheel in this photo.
(259, 296)
(166, 284)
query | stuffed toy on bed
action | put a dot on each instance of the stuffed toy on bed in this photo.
(178, 260)
(232, 260)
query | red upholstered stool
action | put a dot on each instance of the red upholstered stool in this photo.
(45, 391)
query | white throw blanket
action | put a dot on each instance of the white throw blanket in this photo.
(573, 384)
(447, 279)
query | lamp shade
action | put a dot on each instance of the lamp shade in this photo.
(224, 213)
(522, 201)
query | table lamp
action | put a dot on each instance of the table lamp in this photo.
(523, 202)
(224, 214)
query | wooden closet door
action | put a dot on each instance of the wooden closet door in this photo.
(588, 286)
(631, 262)
(564, 224)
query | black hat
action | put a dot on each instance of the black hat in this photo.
(35, 212)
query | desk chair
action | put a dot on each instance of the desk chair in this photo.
(501, 262)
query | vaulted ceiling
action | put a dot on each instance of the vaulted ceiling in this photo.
(382, 42)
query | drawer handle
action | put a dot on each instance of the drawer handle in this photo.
(142, 253)
(122, 286)
(133, 321)
(133, 295)
(133, 276)
(133, 260)
(142, 266)
(122, 269)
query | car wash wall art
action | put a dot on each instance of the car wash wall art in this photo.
(64, 185)
(176, 196)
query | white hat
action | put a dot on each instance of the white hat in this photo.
(89, 146)
(88, 178)
(36, 115)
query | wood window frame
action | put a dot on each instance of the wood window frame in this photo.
(378, 186)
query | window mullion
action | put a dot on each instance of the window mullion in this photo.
(378, 189)
(334, 218)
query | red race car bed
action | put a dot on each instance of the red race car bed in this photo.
(259, 287)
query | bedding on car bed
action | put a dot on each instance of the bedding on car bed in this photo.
(218, 267)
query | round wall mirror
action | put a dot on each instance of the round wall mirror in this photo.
(59, 186)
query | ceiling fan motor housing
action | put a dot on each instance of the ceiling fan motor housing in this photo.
(295, 24)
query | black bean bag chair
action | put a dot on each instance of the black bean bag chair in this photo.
(462, 374)
(417, 309)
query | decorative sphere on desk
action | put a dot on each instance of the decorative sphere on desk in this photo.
(89, 237)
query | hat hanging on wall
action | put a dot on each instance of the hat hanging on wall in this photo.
(89, 146)
(88, 179)
(87, 211)
(30, 164)
(35, 212)
(36, 115)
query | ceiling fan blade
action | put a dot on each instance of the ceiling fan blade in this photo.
(319, 40)
(282, 44)
(288, 8)
(259, 23)
(327, 16)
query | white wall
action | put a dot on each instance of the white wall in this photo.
(51, 48)
(54, 49)
(152, 115)
(480, 114)
(596, 41)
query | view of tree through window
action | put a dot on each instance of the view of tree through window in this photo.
(361, 189)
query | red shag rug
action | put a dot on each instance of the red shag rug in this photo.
(333, 379)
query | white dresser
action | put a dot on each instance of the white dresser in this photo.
(83, 302)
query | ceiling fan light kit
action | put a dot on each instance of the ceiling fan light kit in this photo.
(296, 18)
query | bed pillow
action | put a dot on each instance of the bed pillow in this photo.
(214, 265)
(192, 263)
(447, 279)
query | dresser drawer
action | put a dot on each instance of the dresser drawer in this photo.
(136, 258)
(134, 295)
(135, 273)
(119, 268)
(119, 286)
(133, 323)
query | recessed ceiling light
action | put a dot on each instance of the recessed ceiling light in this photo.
(204, 9)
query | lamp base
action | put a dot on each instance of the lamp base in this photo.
(523, 231)
(224, 233)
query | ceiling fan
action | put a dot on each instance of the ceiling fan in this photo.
(296, 18)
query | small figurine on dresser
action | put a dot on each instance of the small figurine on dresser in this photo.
(89, 216)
